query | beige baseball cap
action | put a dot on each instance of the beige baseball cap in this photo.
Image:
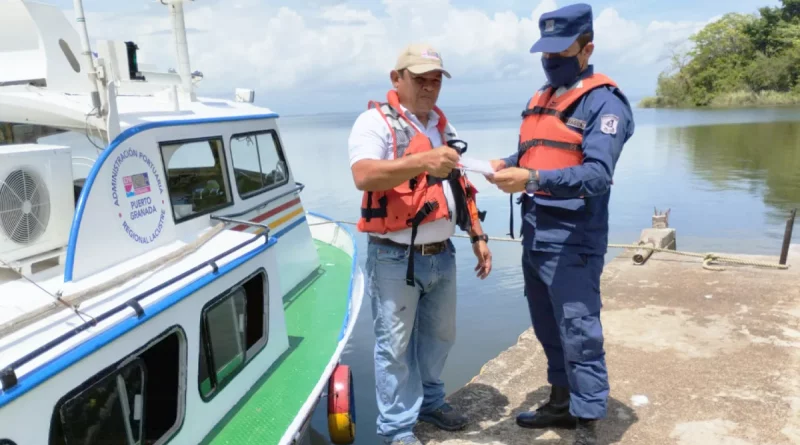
(420, 58)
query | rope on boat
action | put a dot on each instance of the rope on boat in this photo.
(158, 263)
(73, 301)
(708, 258)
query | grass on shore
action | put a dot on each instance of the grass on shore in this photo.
(735, 99)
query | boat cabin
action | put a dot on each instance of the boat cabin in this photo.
(159, 276)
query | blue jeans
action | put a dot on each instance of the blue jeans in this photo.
(563, 293)
(415, 327)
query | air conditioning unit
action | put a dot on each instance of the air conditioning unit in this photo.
(37, 203)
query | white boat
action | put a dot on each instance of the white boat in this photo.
(166, 286)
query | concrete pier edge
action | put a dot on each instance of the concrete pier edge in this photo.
(695, 357)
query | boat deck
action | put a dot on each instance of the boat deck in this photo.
(315, 314)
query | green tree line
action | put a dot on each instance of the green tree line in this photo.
(740, 59)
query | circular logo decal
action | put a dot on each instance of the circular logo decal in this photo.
(138, 194)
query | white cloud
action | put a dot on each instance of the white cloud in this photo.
(343, 14)
(630, 43)
(252, 44)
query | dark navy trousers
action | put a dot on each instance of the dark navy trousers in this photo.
(563, 293)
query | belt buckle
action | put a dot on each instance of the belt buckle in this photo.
(430, 249)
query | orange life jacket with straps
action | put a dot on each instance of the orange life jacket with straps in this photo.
(546, 142)
(421, 199)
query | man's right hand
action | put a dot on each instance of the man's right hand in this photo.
(441, 160)
(497, 165)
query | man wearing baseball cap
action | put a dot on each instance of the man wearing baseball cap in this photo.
(571, 136)
(413, 199)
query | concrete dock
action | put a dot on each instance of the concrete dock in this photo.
(695, 357)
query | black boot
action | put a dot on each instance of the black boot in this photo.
(554, 413)
(586, 434)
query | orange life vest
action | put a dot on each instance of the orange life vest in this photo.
(419, 200)
(545, 140)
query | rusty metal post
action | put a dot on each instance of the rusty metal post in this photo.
(787, 237)
(660, 220)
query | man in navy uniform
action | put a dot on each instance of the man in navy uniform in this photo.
(572, 134)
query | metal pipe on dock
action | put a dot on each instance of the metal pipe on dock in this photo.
(641, 255)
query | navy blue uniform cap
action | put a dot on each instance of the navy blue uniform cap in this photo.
(560, 28)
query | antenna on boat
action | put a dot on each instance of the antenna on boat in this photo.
(181, 45)
(87, 53)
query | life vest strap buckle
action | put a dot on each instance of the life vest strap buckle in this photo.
(426, 210)
(430, 206)
(368, 214)
(381, 212)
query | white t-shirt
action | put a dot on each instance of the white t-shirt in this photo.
(370, 138)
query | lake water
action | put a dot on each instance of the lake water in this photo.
(730, 178)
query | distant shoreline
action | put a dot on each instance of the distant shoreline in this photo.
(738, 99)
(738, 61)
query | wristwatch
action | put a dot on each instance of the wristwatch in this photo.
(482, 236)
(533, 184)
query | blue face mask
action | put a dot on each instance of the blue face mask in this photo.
(561, 71)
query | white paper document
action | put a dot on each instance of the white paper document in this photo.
(478, 166)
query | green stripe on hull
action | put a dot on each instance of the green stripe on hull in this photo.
(315, 311)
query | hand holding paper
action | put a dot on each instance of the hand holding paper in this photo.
(475, 165)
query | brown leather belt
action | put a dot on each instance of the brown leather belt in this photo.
(424, 249)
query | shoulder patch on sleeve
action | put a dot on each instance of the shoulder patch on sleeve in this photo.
(608, 123)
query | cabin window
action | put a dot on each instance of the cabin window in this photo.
(196, 177)
(233, 329)
(258, 162)
(138, 400)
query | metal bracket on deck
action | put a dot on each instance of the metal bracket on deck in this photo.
(8, 379)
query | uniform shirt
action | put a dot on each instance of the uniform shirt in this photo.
(370, 138)
(564, 221)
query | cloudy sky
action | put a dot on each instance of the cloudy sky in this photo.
(330, 55)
